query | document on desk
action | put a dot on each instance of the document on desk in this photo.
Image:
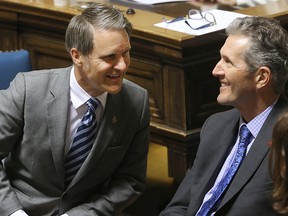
(151, 2)
(201, 26)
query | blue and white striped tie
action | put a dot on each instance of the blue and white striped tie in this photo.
(82, 142)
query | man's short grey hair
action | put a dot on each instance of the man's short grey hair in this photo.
(269, 46)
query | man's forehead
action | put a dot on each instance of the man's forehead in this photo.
(235, 44)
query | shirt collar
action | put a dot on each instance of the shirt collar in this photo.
(79, 96)
(255, 124)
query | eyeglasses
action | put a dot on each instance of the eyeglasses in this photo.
(204, 20)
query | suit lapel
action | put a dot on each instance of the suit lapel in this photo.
(250, 164)
(57, 114)
(256, 154)
(218, 147)
(227, 141)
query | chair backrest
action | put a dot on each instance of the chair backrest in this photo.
(12, 62)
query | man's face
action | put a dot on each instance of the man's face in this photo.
(103, 70)
(238, 87)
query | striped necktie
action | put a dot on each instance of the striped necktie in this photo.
(245, 136)
(82, 142)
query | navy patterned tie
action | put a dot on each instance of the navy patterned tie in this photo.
(82, 142)
(245, 136)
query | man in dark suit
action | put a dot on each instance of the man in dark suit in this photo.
(39, 115)
(252, 72)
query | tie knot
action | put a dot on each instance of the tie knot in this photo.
(93, 103)
(245, 134)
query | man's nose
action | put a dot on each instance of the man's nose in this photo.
(218, 69)
(121, 64)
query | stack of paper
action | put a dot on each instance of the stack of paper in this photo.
(150, 2)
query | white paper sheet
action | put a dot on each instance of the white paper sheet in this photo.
(223, 19)
(151, 2)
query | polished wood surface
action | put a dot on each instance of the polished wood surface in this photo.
(174, 67)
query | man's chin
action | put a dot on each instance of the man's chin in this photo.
(114, 90)
(223, 102)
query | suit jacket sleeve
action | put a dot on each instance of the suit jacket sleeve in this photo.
(11, 124)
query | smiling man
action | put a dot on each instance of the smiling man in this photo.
(75, 140)
(230, 175)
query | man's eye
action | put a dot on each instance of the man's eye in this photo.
(229, 64)
(127, 53)
(111, 56)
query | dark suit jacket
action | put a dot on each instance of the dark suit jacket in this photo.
(249, 193)
(33, 118)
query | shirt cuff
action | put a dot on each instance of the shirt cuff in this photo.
(22, 213)
(19, 213)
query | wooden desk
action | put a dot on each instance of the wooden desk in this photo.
(174, 67)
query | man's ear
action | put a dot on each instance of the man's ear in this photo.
(76, 56)
(263, 76)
